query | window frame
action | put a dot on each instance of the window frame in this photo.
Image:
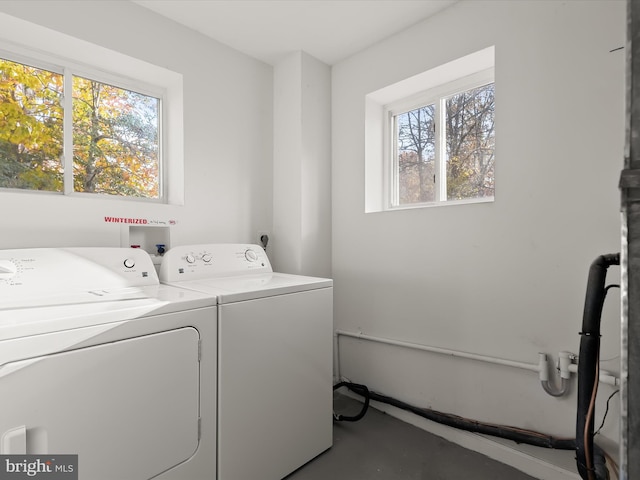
(68, 71)
(376, 144)
(107, 66)
(125, 84)
(436, 96)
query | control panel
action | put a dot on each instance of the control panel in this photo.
(192, 262)
(32, 272)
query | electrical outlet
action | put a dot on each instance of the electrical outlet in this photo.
(263, 239)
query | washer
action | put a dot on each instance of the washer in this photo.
(100, 360)
(275, 358)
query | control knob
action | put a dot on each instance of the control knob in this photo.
(7, 269)
(129, 263)
(251, 255)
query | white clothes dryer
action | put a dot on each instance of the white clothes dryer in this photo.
(275, 358)
(99, 360)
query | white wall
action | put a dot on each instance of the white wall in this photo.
(302, 166)
(227, 138)
(505, 279)
(287, 165)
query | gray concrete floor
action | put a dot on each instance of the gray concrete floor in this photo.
(381, 447)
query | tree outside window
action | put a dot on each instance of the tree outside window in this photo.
(31, 118)
(115, 134)
(445, 150)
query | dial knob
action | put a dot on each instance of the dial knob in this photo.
(206, 257)
(190, 258)
(129, 263)
(251, 255)
(7, 269)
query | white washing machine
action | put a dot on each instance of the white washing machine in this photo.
(100, 360)
(274, 357)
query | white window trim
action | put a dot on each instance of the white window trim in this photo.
(104, 65)
(444, 80)
(435, 96)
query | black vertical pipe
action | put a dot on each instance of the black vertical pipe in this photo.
(591, 467)
(630, 205)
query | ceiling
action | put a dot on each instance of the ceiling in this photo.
(329, 30)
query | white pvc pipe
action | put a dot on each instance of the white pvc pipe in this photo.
(534, 367)
(605, 377)
(540, 367)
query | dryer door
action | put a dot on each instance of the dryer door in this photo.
(129, 409)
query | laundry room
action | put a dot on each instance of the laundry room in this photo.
(470, 306)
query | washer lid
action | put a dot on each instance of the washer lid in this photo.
(148, 301)
(250, 287)
(25, 299)
(54, 276)
(47, 290)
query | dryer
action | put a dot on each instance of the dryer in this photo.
(99, 360)
(275, 343)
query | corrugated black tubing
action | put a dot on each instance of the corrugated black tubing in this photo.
(361, 390)
(516, 434)
(590, 460)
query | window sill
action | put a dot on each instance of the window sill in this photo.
(449, 203)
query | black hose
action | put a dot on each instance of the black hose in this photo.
(361, 390)
(507, 432)
(591, 464)
(516, 434)
(503, 431)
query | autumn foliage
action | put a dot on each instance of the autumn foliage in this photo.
(114, 132)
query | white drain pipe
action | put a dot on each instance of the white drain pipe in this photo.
(542, 367)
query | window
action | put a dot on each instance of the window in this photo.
(443, 148)
(115, 133)
(147, 145)
(31, 127)
(430, 139)
(115, 140)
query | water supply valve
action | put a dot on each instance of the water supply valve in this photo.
(564, 362)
